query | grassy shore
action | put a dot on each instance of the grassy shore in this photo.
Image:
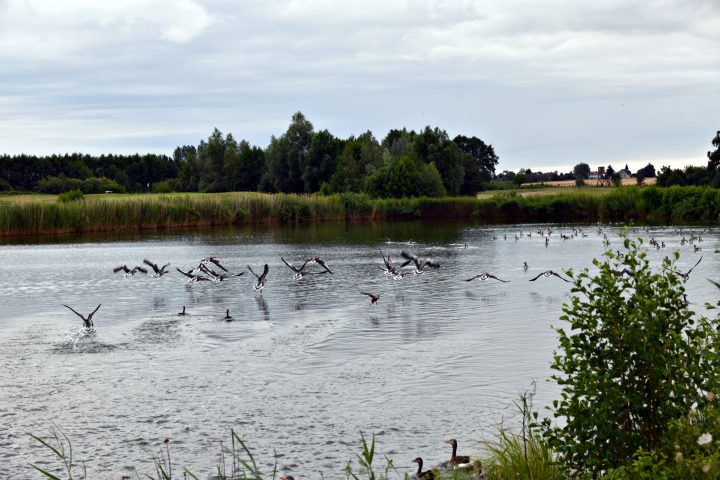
(32, 215)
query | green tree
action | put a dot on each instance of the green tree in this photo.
(582, 170)
(433, 145)
(609, 171)
(320, 162)
(714, 156)
(478, 163)
(212, 160)
(616, 179)
(632, 359)
(648, 171)
(286, 156)
(244, 166)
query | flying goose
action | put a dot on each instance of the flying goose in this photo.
(192, 277)
(215, 276)
(214, 260)
(419, 266)
(319, 261)
(87, 321)
(373, 298)
(261, 279)
(548, 273)
(685, 275)
(484, 276)
(298, 270)
(420, 475)
(128, 272)
(159, 272)
(390, 269)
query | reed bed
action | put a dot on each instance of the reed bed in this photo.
(22, 216)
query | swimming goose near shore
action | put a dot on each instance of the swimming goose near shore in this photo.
(419, 265)
(420, 475)
(159, 271)
(484, 276)
(87, 321)
(261, 279)
(455, 459)
(685, 275)
(128, 272)
(193, 277)
(549, 273)
(373, 298)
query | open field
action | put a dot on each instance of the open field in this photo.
(626, 182)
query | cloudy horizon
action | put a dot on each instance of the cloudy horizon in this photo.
(548, 85)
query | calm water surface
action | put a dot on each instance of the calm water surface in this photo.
(307, 365)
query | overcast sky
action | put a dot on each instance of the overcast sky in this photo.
(547, 83)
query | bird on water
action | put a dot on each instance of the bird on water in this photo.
(129, 272)
(456, 459)
(227, 315)
(183, 312)
(87, 321)
(373, 298)
(420, 475)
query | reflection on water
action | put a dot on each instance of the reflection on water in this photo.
(306, 365)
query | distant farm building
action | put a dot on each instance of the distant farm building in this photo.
(597, 175)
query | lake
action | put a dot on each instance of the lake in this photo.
(304, 367)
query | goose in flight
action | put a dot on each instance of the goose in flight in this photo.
(320, 262)
(215, 276)
(373, 298)
(484, 276)
(192, 277)
(87, 321)
(419, 265)
(128, 272)
(685, 275)
(549, 273)
(261, 279)
(390, 269)
(299, 273)
(159, 271)
(214, 260)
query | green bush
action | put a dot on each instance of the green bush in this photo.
(70, 196)
(632, 360)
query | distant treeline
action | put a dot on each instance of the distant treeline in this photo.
(102, 213)
(301, 160)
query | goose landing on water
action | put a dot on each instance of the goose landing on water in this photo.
(373, 298)
(261, 279)
(419, 265)
(159, 271)
(129, 273)
(192, 277)
(87, 321)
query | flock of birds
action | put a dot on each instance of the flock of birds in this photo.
(211, 269)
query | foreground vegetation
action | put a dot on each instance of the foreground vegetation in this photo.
(74, 212)
(639, 399)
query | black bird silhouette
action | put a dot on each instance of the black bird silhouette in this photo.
(485, 276)
(192, 277)
(227, 315)
(216, 276)
(87, 321)
(420, 475)
(261, 279)
(183, 311)
(128, 272)
(548, 273)
(373, 298)
(390, 269)
(419, 265)
(159, 271)
(685, 275)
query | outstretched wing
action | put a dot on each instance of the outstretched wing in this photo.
(409, 256)
(93, 312)
(184, 273)
(496, 278)
(251, 271)
(151, 265)
(539, 275)
(76, 313)
(262, 277)
(561, 278)
(698, 263)
(322, 264)
(292, 267)
(140, 269)
(165, 266)
(217, 262)
(121, 267)
(473, 278)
